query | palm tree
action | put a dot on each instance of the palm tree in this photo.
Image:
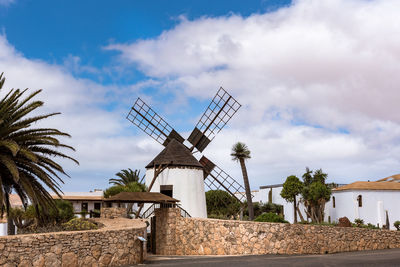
(27, 154)
(126, 177)
(240, 152)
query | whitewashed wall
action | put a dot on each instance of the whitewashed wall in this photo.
(188, 187)
(3, 229)
(78, 205)
(374, 205)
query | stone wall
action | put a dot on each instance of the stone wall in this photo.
(113, 212)
(166, 221)
(192, 236)
(103, 247)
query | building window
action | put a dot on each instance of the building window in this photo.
(333, 202)
(97, 206)
(359, 199)
(84, 206)
(166, 190)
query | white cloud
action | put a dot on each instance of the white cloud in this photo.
(103, 138)
(318, 81)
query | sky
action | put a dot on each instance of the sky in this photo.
(318, 81)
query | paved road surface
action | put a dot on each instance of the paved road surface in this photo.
(389, 257)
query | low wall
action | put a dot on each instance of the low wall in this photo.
(192, 236)
(113, 212)
(104, 247)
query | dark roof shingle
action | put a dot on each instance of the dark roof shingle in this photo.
(175, 154)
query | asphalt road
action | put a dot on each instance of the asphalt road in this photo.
(389, 257)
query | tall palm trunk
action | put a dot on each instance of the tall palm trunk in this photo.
(10, 226)
(247, 187)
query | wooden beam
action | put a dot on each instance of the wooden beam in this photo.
(157, 172)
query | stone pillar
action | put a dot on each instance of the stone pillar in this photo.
(166, 222)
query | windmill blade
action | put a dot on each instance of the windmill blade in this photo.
(218, 113)
(151, 123)
(217, 179)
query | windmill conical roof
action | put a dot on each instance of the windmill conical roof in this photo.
(175, 154)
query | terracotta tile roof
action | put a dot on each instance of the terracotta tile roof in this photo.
(393, 178)
(378, 185)
(141, 197)
(176, 154)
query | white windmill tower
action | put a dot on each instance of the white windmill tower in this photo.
(182, 178)
(175, 171)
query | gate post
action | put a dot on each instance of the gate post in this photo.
(165, 230)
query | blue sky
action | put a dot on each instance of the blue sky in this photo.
(59, 29)
(305, 72)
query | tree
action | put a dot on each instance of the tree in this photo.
(291, 188)
(240, 152)
(315, 194)
(27, 154)
(126, 177)
(131, 187)
(221, 204)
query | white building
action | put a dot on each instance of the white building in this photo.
(182, 178)
(272, 193)
(88, 201)
(368, 201)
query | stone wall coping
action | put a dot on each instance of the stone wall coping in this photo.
(106, 228)
(312, 226)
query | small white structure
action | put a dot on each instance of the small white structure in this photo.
(88, 201)
(272, 193)
(368, 201)
(182, 178)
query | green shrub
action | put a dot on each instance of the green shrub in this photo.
(270, 217)
(78, 224)
(371, 226)
(359, 222)
(220, 204)
(64, 212)
(84, 213)
(263, 208)
(397, 225)
(96, 213)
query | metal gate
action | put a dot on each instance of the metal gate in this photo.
(152, 239)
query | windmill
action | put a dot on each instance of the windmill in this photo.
(218, 113)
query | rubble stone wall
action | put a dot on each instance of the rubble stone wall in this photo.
(193, 236)
(113, 212)
(103, 247)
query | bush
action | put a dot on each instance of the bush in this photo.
(270, 217)
(263, 208)
(79, 224)
(397, 225)
(96, 213)
(84, 213)
(322, 223)
(359, 222)
(64, 211)
(221, 204)
(131, 187)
